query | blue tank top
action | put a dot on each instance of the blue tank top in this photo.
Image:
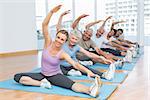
(71, 52)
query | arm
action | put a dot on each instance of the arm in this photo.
(127, 41)
(76, 22)
(96, 57)
(59, 24)
(122, 43)
(100, 52)
(114, 23)
(89, 54)
(118, 46)
(92, 23)
(76, 65)
(106, 21)
(118, 42)
(45, 26)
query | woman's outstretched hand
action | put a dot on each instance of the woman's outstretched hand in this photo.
(56, 8)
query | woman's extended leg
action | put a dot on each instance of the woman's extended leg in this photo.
(29, 78)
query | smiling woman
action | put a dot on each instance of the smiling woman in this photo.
(50, 69)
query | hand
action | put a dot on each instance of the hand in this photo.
(99, 21)
(65, 13)
(91, 74)
(55, 9)
(109, 56)
(84, 15)
(108, 17)
(122, 21)
(118, 22)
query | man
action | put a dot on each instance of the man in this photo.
(87, 43)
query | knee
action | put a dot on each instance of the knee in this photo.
(20, 78)
(17, 77)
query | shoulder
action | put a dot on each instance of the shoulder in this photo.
(47, 46)
(91, 42)
(80, 40)
(78, 47)
(65, 45)
(63, 55)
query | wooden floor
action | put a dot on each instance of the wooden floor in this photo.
(135, 87)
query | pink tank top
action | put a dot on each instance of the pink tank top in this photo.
(50, 63)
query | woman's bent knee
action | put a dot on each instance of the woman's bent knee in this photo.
(17, 77)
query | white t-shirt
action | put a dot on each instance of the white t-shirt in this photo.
(103, 42)
(121, 36)
(112, 39)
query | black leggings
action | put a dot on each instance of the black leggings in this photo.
(114, 52)
(58, 79)
(65, 70)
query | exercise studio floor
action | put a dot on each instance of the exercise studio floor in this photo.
(135, 87)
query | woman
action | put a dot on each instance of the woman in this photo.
(72, 48)
(52, 54)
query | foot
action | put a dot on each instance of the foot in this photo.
(86, 63)
(109, 74)
(45, 84)
(119, 64)
(94, 89)
(73, 72)
(134, 51)
(128, 57)
(137, 48)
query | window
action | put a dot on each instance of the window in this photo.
(132, 29)
(87, 9)
(132, 20)
(40, 13)
(67, 5)
(132, 25)
(147, 17)
(127, 25)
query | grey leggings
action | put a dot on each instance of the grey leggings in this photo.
(58, 79)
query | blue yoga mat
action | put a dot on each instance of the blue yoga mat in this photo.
(118, 78)
(106, 90)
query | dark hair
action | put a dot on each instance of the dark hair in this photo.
(120, 30)
(64, 32)
(115, 31)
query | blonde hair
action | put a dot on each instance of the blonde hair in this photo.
(76, 33)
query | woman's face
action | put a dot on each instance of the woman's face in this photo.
(111, 33)
(60, 39)
(73, 40)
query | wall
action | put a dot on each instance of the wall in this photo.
(17, 26)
